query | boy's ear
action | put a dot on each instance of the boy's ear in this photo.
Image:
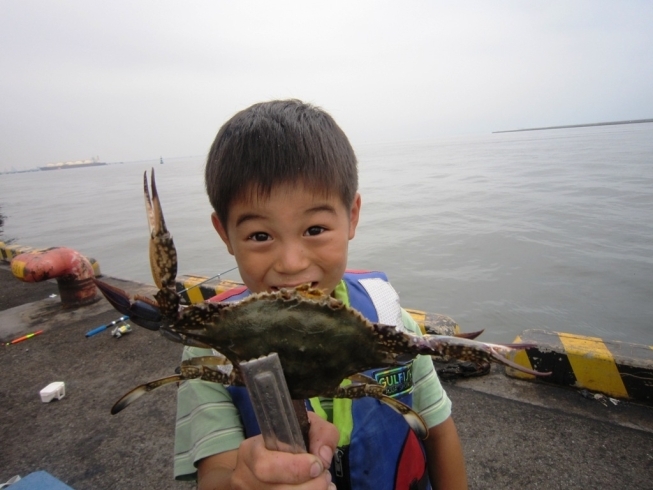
(221, 231)
(354, 215)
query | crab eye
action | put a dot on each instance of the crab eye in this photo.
(315, 230)
(259, 236)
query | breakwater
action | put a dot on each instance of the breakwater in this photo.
(586, 125)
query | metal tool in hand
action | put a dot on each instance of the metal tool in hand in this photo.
(277, 414)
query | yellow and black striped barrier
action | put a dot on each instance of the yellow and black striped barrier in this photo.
(8, 252)
(616, 369)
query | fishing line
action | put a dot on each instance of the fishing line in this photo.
(217, 276)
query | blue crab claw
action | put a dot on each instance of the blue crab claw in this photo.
(141, 312)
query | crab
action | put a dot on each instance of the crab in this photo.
(319, 340)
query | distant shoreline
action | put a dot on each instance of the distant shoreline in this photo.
(60, 166)
(632, 121)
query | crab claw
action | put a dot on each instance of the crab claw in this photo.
(142, 313)
(163, 255)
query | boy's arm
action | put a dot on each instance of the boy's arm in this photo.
(215, 471)
(253, 466)
(445, 457)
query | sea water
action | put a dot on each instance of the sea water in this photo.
(503, 232)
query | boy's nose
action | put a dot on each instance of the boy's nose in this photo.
(292, 259)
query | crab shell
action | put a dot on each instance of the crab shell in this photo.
(320, 341)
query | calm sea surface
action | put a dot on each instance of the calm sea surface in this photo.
(506, 232)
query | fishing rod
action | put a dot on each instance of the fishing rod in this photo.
(102, 328)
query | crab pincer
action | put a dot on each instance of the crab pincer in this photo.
(163, 254)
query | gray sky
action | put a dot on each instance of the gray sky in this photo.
(134, 80)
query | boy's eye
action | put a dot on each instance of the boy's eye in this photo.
(259, 236)
(315, 230)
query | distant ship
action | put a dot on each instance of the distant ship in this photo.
(78, 164)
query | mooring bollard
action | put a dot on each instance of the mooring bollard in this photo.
(73, 272)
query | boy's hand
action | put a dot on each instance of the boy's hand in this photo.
(254, 466)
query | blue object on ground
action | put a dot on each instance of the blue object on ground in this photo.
(39, 480)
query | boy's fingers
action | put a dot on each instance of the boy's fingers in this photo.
(276, 467)
(323, 438)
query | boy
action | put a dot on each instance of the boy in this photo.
(282, 179)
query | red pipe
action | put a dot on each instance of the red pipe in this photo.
(73, 272)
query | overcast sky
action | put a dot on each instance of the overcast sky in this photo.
(134, 80)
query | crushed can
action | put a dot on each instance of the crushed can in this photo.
(121, 330)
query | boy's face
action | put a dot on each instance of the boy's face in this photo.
(293, 237)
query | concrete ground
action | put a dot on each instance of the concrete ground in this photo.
(515, 434)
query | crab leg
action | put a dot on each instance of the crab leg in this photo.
(196, 368)
(469, 335)
(374, 390)
(139, 391)
(470, 350)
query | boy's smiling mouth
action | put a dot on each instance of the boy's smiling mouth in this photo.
(292, 286)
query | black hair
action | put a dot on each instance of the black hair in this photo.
(279, 142)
